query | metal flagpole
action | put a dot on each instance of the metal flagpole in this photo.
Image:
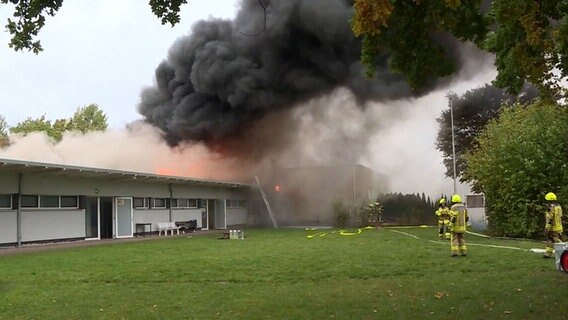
(453, 144)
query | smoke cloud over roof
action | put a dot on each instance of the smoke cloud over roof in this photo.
(217, 81)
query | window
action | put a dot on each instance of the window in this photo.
(69, 202)
(192, 203)
(5, 201)
(184, 203)
(140, 203)
(49, 201)
(30, 201)
(159, 203)
(236, 204)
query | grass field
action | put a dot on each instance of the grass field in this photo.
(378, 274)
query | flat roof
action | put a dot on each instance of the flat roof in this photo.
(25, 166)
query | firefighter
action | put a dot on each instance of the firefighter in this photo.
(374, 210)
(553, 228)
(443, 214)
(459, 218)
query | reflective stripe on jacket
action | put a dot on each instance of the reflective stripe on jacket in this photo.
(554, 218)
(459, 217)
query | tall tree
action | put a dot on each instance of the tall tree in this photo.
(520, 157)
(29, 18)
(472, 111)
(88, 118)
(3, 132)
(529, 38)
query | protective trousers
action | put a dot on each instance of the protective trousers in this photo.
(458, 244)
(441, 229)
(552, 238)
(444, 229)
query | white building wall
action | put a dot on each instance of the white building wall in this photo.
(237, 216)
(153, 216)
(46, 224)
(46, 184)
(8, 226)
(57, 184)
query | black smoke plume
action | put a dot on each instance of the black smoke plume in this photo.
(217, 81)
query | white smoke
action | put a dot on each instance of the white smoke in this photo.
(139, 148)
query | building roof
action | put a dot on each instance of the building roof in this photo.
(23, 166)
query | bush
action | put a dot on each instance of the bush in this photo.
(341, 214)
(521, 156)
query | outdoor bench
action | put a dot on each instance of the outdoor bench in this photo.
(167, 226)
(187, 226)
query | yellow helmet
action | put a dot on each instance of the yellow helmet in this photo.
(456, 198)
(442, 201)
(550, 196)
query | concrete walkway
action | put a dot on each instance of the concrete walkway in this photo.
(38, 247)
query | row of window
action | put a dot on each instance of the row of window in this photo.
(37, 201)
(180, 203)
(7, 201)
(163, 203)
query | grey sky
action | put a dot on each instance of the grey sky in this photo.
(100, 52)
(106, 51)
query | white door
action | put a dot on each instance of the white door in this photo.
(123, 227)
(220, 214)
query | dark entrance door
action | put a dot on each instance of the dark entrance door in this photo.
(106, 217)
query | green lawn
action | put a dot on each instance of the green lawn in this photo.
(378, 274)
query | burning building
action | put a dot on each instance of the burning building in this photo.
(304, 196)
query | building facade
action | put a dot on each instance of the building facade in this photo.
(48, 202)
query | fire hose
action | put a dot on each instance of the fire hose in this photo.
(341, 232)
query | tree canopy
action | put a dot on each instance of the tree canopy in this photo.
(85, 119)
(520, 157)
(529, 38)
(88, 118)
(29, 17)
(472, 111)
(40, 124)
(408, 209)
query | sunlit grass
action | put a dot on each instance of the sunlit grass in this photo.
(284, 275)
